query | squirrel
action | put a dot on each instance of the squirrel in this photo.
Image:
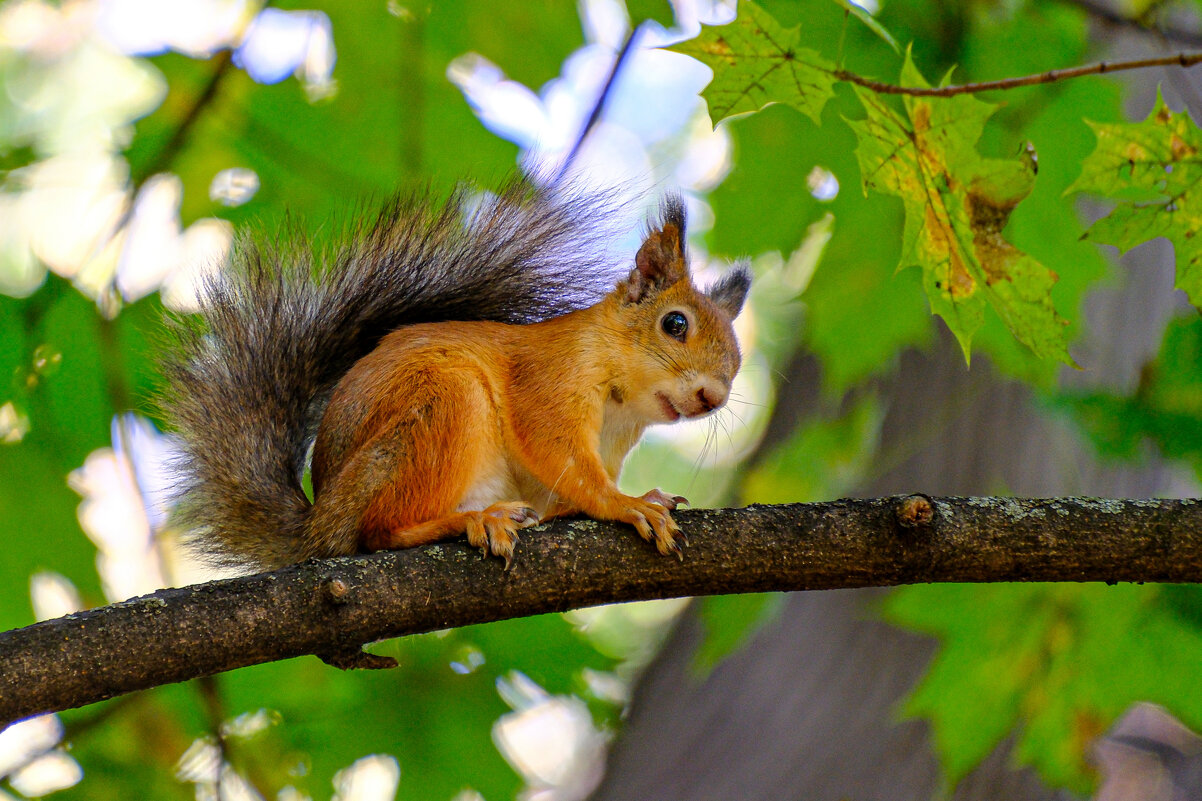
(457, 367)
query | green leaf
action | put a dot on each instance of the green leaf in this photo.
(957, 203)
(729, 622)
(1154, 168)
(315, 160)
(859, 311)
(870, 22)
(1051, 665)
(1165, 409)
(844, 445)
(1044, 225)
(757, 62)
(658, 10)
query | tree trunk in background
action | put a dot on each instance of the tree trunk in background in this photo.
(808, 709)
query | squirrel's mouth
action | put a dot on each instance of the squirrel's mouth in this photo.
(669, 409)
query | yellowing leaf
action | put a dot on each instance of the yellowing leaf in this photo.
(957, 204)
(757, 62)
(1154, 167)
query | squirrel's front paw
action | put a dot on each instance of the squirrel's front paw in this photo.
(495, 530)
(650, 516)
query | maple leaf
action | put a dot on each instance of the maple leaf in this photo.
(756, 62)
(1155, 169)
(957, 204)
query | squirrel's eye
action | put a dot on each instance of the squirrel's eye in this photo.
(675, 325)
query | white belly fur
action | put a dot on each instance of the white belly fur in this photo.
(497, 487)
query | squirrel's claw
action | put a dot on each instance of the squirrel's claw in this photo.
(669, 502)
(525, 516)
(650, 515)
(661, 529)
(495, 530)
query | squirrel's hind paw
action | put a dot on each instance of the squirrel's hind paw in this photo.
(495, 530)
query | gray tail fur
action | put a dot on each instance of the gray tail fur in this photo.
(247, 379)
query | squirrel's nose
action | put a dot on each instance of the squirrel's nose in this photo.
(710, 399)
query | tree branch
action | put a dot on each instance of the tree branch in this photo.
(1102, 67)
(331, 607)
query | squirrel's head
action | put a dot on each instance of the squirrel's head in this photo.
(685, 333)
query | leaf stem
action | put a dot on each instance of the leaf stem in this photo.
(1051, 76)
(843, 37)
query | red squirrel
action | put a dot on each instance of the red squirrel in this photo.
(456, 371)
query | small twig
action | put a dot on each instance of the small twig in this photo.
(214, 711)
(602, 100)
(1051, 76)
(169, 151)
(223, 62)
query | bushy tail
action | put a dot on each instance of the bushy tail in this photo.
(247, 378)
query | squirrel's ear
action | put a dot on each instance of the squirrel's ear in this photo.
(731, 290)
(660, 262)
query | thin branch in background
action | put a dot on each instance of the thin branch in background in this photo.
(1165, 35)
(602, 99)
(1100, 68)
(213, 705)
(223, 62)
(842, 38)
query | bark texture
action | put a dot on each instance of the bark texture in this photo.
(330, 608)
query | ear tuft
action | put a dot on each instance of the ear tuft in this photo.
(730, 291)
(660, 262)
(671, 212)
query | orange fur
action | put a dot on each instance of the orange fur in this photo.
(482, 428)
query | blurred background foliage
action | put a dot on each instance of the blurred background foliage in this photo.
(137, 137)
